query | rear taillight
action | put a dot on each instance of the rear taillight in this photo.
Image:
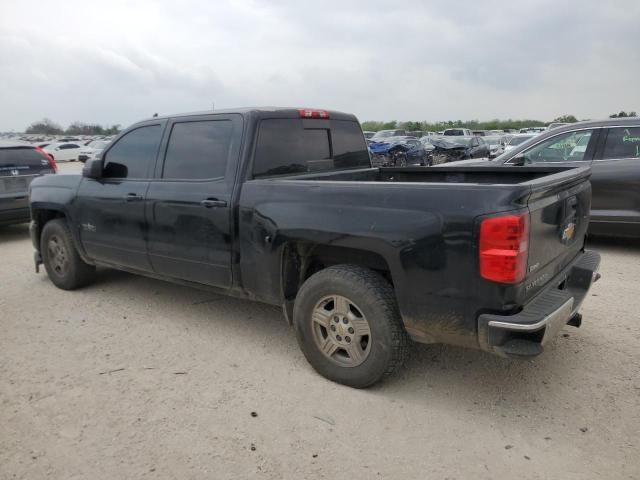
(52, 162)
(504, 247)
(310, 113)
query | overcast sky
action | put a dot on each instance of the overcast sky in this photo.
(122, 61)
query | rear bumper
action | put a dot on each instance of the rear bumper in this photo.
(525, 333)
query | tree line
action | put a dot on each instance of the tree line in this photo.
(49, 127)
(496, 124)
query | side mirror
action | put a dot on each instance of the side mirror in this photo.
(93, 169)
(519, 160)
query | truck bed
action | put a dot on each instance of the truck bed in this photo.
(534, 176)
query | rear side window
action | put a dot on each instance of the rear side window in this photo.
(198, 150)
(622, 143)
(18, 158)
(132, 154)
(285, 146)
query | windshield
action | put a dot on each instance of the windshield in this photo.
(98, 144)
(493, 140)
(518, 140)
(384, 134)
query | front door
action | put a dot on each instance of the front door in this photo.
(188, 204)
(111, 210)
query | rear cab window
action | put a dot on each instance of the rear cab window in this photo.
(287, 146)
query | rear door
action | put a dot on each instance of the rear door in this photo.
(111, 210)
(616, 180)
(188, 205)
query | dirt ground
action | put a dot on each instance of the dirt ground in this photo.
(136, 378)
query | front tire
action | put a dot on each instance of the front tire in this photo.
(348, 325)
(64, 266)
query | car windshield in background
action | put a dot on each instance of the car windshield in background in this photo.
(492, 140)
(384, 134)
(518, 140)
(98, 144)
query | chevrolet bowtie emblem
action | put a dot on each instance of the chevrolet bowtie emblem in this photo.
(568, 232)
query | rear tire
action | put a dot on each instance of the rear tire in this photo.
(348, 325)
(64, 266)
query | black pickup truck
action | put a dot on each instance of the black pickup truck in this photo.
(282, 206)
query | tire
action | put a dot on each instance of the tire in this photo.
(381, 352)
(64, 266)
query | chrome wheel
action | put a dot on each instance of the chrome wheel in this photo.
(58, 257)
(341, 331)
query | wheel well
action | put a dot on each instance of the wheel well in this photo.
(41, 217)
(301, 260)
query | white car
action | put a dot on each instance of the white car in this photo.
(62, 152)
(93, 150)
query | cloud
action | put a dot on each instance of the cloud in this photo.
(123, 61)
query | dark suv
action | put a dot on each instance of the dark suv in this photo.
(19, 164)
(612, 149)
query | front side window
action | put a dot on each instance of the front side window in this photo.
(622, 142)
(131, 155)
(568, 147)
(198, 150)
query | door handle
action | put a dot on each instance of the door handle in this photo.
(132, 197)
(213, 203)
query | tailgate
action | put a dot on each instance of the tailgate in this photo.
(559, 207)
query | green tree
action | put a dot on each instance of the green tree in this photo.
(623, 114)
(44, 126)
(566, 119)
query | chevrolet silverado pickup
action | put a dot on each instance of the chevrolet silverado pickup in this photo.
(282, 206)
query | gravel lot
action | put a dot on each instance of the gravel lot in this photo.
(136, 378)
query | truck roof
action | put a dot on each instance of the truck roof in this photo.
(261, 112)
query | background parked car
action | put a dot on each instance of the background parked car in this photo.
(398, 152)
(496, 145)
(92, 150)
(388, 133)
(20, 163)
(611, 148)
(368, 134)
(64, 151)
(457, 132)
(452, 148)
